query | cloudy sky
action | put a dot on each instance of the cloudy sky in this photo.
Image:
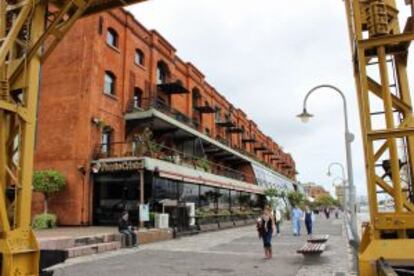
(264, 55)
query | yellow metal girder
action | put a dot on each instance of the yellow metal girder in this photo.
(376, 40)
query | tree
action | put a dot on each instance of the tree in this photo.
(326, 201)
(296, 198)
(48, 182)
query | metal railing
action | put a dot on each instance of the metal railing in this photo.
(161, 152)
(164, 107)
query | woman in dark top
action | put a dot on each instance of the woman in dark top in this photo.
(266, 228)
(308, 220)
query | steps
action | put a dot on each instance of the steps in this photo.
(90, 249)
(82, 246)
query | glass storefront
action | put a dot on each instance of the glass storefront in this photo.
(223, 200)
(208, 199)
(114, 193)
(235, 201)
(183, 201)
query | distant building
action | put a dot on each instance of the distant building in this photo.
(340, 194)
(314, 190)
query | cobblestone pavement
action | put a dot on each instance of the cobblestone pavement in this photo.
(229, 252)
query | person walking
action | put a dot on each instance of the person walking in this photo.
(125, 228)
(327, 212)
(309, 218)
(297, 215)
(266, 229)
(278, 220)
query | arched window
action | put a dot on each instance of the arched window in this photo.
(109, 83)
(112, 38)
(139, 57)
(162, 72)
(137, 98)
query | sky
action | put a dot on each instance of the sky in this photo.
(264, 56)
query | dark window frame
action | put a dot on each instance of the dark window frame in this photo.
(112, 38)
(112, 86)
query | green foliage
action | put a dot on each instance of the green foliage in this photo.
(44, 221)
(48, 182)
(203, 164)
(326, 201)
(296, 198)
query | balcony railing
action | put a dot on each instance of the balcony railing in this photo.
(162, 106)
(161, 152)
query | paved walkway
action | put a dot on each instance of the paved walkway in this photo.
(231, 252)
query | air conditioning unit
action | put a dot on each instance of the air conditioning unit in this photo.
(161, 221)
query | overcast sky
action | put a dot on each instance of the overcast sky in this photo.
(264, 56)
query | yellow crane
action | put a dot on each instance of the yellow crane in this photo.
(380, 51)
(29, 31)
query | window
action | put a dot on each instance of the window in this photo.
(109, 86)
(137, 98)
(139, 57)
(112, 38)
(218, 114)
(162, 73)
(106, 140)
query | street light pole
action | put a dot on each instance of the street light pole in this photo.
(343, 181)
(349, 138)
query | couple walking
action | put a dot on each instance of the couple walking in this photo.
(298, 215)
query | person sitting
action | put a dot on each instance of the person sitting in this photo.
(125, 228)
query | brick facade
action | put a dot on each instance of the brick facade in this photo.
(72, 95)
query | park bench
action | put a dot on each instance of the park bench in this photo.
(318, 239)
(312, 249)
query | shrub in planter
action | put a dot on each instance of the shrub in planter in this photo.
(44, 221)
(48, 182)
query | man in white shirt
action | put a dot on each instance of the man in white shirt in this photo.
(278, 220)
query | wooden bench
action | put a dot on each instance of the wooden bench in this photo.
(318, 239)
(312, 249)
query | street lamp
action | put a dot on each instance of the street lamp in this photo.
(337, 164)
(349, 138)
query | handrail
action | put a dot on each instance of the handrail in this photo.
(162, 152)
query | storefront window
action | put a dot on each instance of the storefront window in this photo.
(164, 194)
(189, 193)
(208, 199)
(245, 201)
(256, 202)
(235, 200)
(223, 200)
(113, 194)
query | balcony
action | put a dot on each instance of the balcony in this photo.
(205, 109)
(172, 88)
(161, 152)
(225, 123)
(248, 139)
(237, 130)
(260, 147)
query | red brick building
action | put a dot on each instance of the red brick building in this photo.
(110, 80)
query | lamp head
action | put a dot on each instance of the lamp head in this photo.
(304, 116)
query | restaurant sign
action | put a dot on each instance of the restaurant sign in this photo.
(117, 166)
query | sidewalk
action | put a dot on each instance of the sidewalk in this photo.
(230, 252)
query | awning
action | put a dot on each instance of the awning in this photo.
(205, 109)
(172, 88)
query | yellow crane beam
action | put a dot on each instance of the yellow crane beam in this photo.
(29, 32)
(380, 52)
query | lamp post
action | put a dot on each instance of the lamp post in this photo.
(349, 138)
(343, 179)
